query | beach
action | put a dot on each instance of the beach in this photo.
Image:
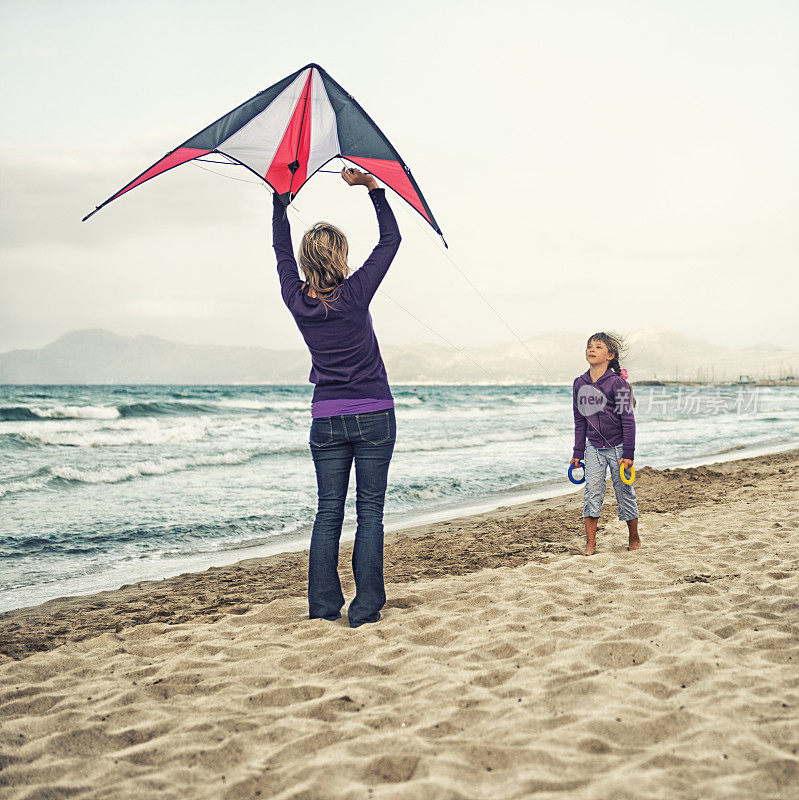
(506, 665)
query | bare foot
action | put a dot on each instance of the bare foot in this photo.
(590, 535)
(632, 529)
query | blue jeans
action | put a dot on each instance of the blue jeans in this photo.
(335, 442)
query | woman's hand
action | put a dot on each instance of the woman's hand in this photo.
(354, 177)
(576, 461)
(628, 462)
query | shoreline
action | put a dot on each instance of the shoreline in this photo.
(473, 541)
(167, 568)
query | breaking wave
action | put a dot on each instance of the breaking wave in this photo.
(62, 475)
(109, 437)
(427, 491)
(149, 408)
(162, 408)
(26, 413)
(179, 538)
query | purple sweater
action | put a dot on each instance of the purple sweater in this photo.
(604, 411)
(345, 357)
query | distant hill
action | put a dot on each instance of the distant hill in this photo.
(100, 356)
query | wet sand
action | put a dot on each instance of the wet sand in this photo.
(505, 665)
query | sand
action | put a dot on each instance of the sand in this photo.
(504, 667)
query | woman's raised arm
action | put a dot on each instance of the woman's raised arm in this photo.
(290, 282)
(363, 283)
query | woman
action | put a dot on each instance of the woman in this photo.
(353, 410)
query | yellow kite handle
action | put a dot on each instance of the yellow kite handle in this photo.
(629, 480)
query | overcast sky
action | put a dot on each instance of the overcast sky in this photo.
(593, 165)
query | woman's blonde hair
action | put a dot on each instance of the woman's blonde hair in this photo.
(323, 259)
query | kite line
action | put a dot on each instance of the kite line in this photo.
(501, 319)
(455, 266)
(214, 172)
(197, 163)
(455, 347)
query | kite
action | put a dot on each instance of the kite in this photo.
(288, 132)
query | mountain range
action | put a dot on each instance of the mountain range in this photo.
(97, 356)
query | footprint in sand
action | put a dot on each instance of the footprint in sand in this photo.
(403, 602)
(491, 679)
(286, 696)
(391, 769)
(617, 654)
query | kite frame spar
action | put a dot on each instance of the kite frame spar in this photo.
(428, 215)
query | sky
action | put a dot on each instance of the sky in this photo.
(608, 164)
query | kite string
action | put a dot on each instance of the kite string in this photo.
(480, 294)
(497, 314)
(455, 347)
(477, 364)
(422, 322)
(230, 177)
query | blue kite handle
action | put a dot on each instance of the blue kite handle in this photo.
(571, 476)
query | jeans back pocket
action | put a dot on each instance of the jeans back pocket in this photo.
(375, 427)
(321, 431)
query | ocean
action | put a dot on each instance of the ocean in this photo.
(106, 485)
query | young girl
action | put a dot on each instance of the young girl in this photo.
(603, 413)
(352, 410)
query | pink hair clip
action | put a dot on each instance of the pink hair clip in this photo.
(623, 374)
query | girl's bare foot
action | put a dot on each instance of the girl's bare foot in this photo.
(635, 542)
(590, 535)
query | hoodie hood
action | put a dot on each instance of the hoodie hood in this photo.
(608, 373)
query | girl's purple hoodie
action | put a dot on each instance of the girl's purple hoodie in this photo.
(604, 412)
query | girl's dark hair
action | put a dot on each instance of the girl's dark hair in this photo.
(615, 345)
